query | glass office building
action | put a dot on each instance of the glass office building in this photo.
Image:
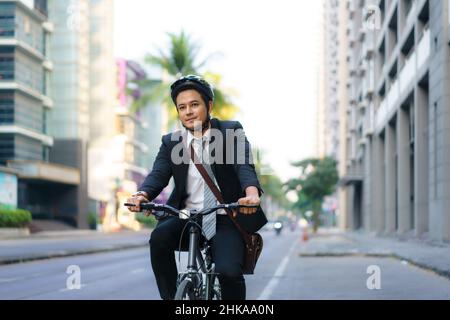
(26, 143)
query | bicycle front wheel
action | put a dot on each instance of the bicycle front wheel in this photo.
(216, 293)
(185, 290)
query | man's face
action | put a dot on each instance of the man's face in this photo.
(191, 108)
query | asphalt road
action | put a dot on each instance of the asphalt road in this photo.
(281, 274)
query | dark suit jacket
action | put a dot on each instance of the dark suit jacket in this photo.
(232, 179)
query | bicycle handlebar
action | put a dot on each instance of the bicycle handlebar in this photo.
(186, 214)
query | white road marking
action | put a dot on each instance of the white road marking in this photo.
(267, 292)
(138, 271)
(66, 289)
(9, 280)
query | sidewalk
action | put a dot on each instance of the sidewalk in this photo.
(424, 254)
(54, 244)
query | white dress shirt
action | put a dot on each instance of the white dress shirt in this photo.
(195, 183)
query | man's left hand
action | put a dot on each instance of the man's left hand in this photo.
(252, 200)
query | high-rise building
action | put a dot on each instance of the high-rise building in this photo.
(332, 95)
(26, 102)
(321, 81)
(397, 159)
(102, 182)
(331, 63)
(138, 135)
(70, 85)
(140, 131)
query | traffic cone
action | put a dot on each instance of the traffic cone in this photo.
(305, 236)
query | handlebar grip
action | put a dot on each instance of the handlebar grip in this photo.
(148, 206)
(143, 206)
(236, 205)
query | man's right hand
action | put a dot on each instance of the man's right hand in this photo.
(137, 199)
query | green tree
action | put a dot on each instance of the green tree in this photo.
(178, 59)
(318, 178)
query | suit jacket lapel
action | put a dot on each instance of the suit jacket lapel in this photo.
(184, 166)
(214, 125)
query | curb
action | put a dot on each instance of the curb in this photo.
(440, 272)
(67, 234)
(11, 233)
(70, 254)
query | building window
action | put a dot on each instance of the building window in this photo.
(435, 133)
(120, 123)
(29, 31)
(44, 122)
(6, 63)
(26, 25)
(129, 153)
(28, 113)
(6, 107)
(6, 148)
(29, 73)
(27, 149)
(382, 10)
(393, 32)
(45, 154)
(407, 5)
(41, 6)
(7, 20)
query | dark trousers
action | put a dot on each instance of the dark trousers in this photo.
(227, 246)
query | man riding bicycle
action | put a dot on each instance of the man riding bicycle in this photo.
(221, 146)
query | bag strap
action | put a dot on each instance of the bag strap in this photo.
(212, 186)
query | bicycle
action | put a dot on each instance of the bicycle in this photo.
(199, 281)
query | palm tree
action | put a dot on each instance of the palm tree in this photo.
(181, 59)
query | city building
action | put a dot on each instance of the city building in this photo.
(397, 177)
(137, 138)
(102, 102)
(26, 102)
(70, 85)
(332, 96)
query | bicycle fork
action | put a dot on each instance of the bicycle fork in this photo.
(196, 262)
(194, 254)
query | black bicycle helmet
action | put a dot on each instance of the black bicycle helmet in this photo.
(191, 82)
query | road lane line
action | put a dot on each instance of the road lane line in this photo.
(138, 271)
(267, 292)
(10, 280)
(67, 289)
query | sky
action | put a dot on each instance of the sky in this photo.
(269, 53)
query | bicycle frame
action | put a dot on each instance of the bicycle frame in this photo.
(198, 266)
